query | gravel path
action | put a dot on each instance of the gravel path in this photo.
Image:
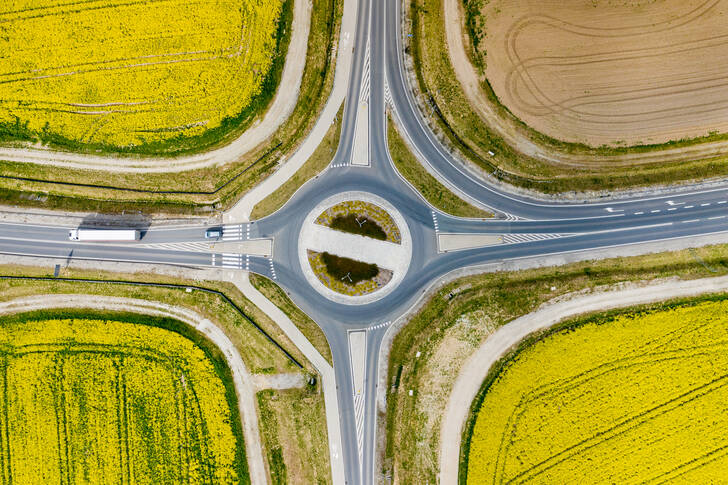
(282, 106)
(241, 377)
(325, 370)
(474, 370)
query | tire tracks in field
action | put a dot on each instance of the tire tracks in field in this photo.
(513, 134)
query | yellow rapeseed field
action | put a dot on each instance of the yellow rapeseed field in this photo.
(639, 398)
(89, 401)
(125, 73)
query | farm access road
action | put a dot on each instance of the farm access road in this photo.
(475, 369)
(283, 104)
(518, 138)
(242, 379)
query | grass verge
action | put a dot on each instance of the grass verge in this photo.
(316, 164)
(464, 131)
(195, 191)
(294, 438)
(428, 352)
(431, 189)
(308, 327)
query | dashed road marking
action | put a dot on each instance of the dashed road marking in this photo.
(716, 217)
(705, 205)
(638, 213)
(655, 211)
(247, 262)
(691, 220)
(338, 165)
(723, 201)
(380, 325)
(688, 207)
(672, 209)
(272, 269)
(434, 220)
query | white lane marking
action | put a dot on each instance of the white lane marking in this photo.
(672, 209)
(181, 246)
(609, 209)
(655, 211)
(691, 220)
(688, 206)
(434, 219)
(716, 217)
(380, 325)
(357, 361)
(723, 201)
(705, 205)
(516, 238)
(272, 269)
(213, 259)
(669, 202)
(638, 213)
(230, 260)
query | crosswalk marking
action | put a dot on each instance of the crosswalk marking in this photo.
(434, 219)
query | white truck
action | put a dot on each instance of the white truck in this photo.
(99, 235)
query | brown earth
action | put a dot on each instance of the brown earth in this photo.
(610, 72)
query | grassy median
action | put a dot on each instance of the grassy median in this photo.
(431, 189)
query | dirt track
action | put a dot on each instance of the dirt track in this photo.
(600, 72)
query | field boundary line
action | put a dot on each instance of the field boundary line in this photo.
(477, 366)
(242, 380)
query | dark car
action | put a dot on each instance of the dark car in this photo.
(213, 233)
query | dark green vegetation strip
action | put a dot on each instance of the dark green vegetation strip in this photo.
(431, 189)
(597, 318)
(356, 224)
(348, 270)
(229, 129)
(308, 327)
(212, 352)
(200, 191)
(411, 453)
(165, 285)
(466, 132)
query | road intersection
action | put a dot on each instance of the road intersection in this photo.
(528, 227)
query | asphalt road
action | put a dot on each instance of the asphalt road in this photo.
(571, 226)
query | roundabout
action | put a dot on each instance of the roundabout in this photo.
(354, 248)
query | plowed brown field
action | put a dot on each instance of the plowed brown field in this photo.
(611, 72)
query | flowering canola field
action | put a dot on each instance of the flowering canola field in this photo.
(638, 398)
(123, 73)
(88, 401)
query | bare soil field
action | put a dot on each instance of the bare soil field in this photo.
(608, 72)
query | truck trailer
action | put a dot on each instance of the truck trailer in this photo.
(99, 235)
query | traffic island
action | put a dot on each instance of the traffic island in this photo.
(354, 248)
(363, 218)
(347, 276)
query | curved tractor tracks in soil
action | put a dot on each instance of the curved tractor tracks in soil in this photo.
(520, 85)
